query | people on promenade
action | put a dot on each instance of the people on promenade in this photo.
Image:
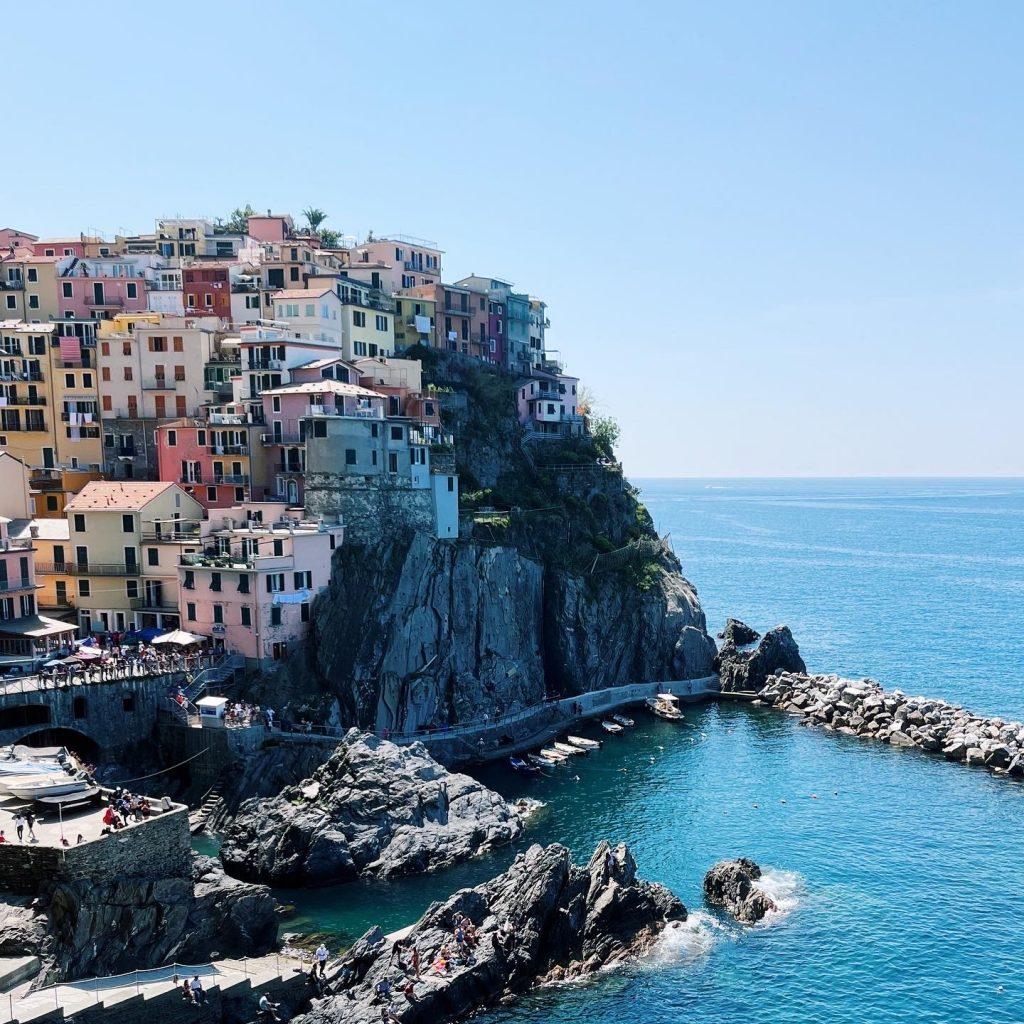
(198, 996)
(19, 826)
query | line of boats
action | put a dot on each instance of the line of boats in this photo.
(46, 774)
(662, 705)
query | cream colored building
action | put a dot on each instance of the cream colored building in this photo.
(113, 528)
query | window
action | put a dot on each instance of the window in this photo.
(275, 582)
(67, 291)
(179, 372)
(33, 274)
(105, 373)
(172, 438)
(334, 541)
(303, 579)
(207, 299)
(83, 588)
(359, 348)
(33, 302)
(278, 548)
(12, 301)
(128, 523)
(201, 437)
(243, 584)
(392, 462)
(350, 456)
(239, 494)
(359, 318)
(451, 483)
(215, 582)
(180, 405)
(86, 380)
(179, 343)
(190, 611)
(132, 290)
(152, 556)
(381, 322)
(128, 703)
(69, 380)
(189, 582)
(79, 523)
(131, 588)
(396, 433)
(157, 344)
(127, 373)
(246, 615)
(304, 611)
(218, 614)
(275, 615)
(51, 503)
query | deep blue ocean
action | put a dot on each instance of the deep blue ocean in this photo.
(900, 876)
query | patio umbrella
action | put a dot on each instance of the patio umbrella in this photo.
(178, 637)
(87, 654)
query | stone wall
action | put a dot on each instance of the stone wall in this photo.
(372, 507)
(157, 847)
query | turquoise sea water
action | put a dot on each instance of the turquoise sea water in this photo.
(900, 875)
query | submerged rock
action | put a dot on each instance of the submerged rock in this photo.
(544, 919)
(730, 884)
(746, 671)
(373, 808)
(738, 633)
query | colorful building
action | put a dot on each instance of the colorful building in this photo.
(209, 462)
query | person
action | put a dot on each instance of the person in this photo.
(19, 824)
(3, 838)
(64, 841)
(268, 1010)
(80, 839)
(410, 990)
(197, 990)
(389, 1014)
(321, 958)
(416, 961)
(30, 821)
(186, 992)
(382, 990)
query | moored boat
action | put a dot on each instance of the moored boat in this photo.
(554, 755)
(8, 769)
(543, 762)
(580, 741)
(48, 787)
(610, 726)
(568, 748)
(517, 764)
(623, 720)
(665, 705)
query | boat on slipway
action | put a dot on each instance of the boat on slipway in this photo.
(33, 789)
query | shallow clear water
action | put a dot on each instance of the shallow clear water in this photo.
(902, 879)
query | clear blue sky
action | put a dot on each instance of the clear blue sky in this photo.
(776, 238)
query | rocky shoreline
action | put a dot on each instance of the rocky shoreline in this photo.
(373, 808)
(544, 919)
(865, 709)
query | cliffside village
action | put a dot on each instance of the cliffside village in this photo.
(192, 420)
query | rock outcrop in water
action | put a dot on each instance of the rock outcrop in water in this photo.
(746, 671)
(373, 808)
(569, 590)
(863, 708)
(565, 920)
(738, 633)
(732, 885)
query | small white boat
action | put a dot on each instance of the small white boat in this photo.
(49, 787)
(665, 705)
(612, 727)
(11, 768)
(568, 748)
(579, 741)
(623, 720)
(542, 761)
(554, 755)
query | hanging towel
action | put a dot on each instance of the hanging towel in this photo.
(423, 324)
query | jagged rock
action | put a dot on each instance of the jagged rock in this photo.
(731, 884)
(373, 808)
(568, 921)
(738, 633)
(747, 671)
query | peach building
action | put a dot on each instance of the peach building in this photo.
(251, 582)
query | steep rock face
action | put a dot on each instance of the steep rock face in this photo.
(568, 590)
(738, 633)
(82, 928)
(373, 808)
(732, 885)
(568, 921)
(747, 671)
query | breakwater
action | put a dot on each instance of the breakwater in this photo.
(864, 708)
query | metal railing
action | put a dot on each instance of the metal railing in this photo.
(24, 399)
(111, 300)
(88, 569)
(9, 586)
(236, 479)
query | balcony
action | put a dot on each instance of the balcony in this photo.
(221, 561)
(24, 400)
(19, 375)
(244, 287)
(87, 569)
(189, 534)
(231, 479)
(228, 449)
(38, 427)
(290, 467)
(107, 302)
(11, 586)
(265, 364)
(12, 284)
(156, 604)
(282, 438)
(159, 384)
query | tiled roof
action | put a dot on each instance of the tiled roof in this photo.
(116, 496)
(302, 293)
(336, 387)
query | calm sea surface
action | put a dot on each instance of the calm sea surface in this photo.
(901, 876)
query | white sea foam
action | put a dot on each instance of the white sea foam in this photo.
(690, 939)
(783, 887)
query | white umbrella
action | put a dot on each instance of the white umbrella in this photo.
(178, 637)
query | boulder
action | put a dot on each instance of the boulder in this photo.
(738, 633)
(373, 808)
(544, 919)
(747, 671)
(731, 884)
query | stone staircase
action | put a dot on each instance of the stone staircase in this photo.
(156, 994)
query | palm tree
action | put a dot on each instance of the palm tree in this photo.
(314, 217)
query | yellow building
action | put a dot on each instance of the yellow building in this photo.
(414, 322)
(53, 488)
(27, 410)
(121, 581)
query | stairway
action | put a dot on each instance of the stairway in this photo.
(198, 818)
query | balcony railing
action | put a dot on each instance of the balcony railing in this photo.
(87, 569)
(38, 427)
(290, 467)
(283, 438)
(265, 364)
(185, 535)
(12, 284)
(231, 479)
(9, 586)
(107, 302)
(159, 384)
(22, 400)
(20, 375)
(228, 449)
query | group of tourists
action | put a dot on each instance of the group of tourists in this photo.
(124, 808)
(116, 662)
(240, 714)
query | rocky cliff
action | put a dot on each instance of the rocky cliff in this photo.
(557, 585)
(545, 919)
(373, 808)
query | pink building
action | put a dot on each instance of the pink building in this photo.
(274, 227)
(208, 461)
(548, 405)
(252, 585)
(100, 288)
